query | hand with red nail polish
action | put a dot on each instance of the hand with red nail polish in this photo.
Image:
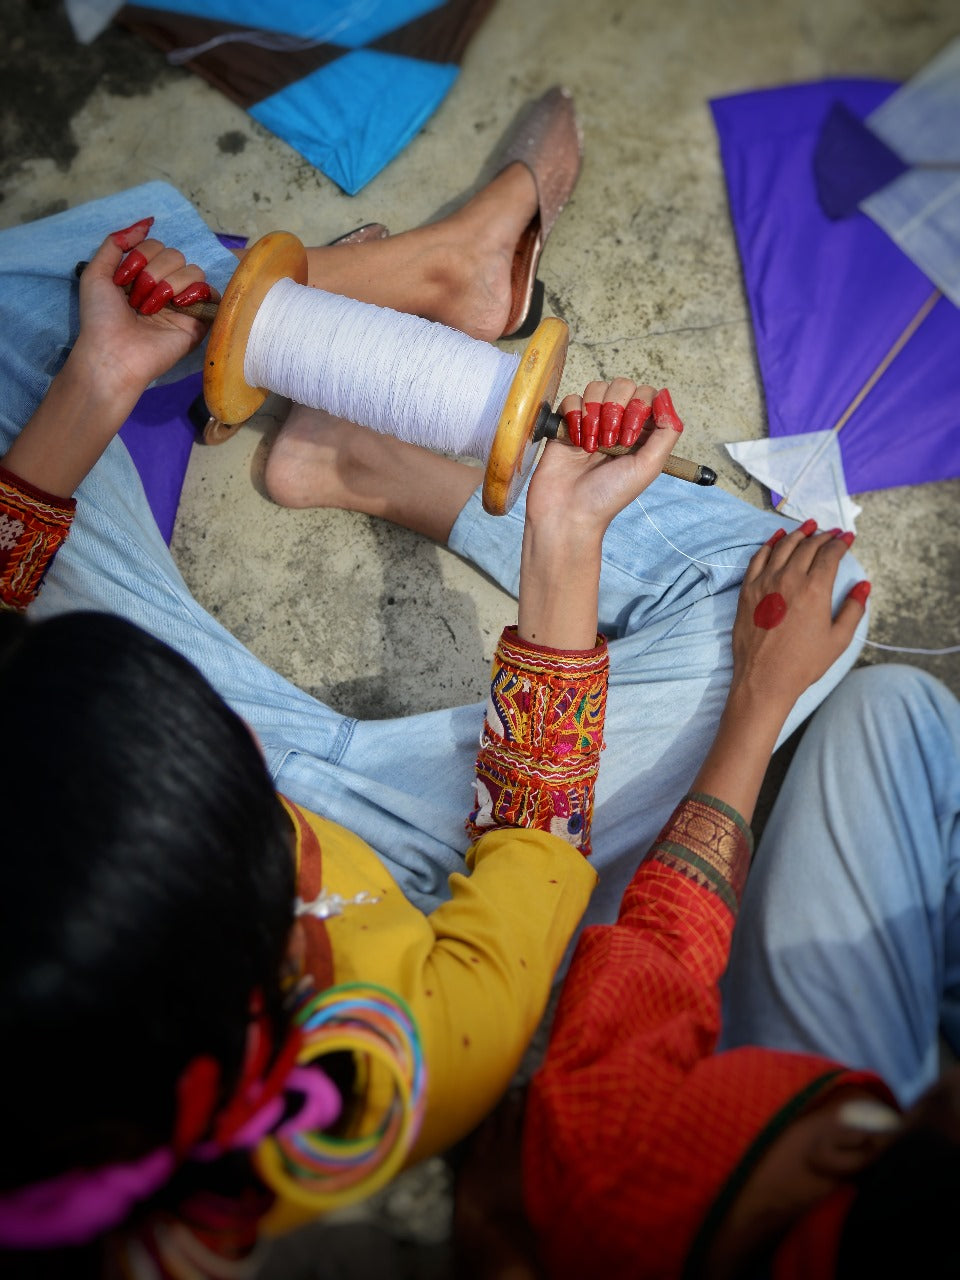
(574, 493)
(117, 353)
(786, 636)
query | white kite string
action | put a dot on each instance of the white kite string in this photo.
(399, 374)
(859, 635)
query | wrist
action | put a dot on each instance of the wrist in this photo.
(736, 763)
(759, 711)
(98, 381)
(559, 578)
(70, 429)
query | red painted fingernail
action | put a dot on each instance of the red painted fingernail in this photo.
(132, 235)
(572, 419)
(128, 268)
(199, 292)
(848, 538)
(156, 300)
(634, 416)
(664, 414)
(143, 286)
(611, 415)
(834, 533)
(775, 537)
(808, 527)
(590, 426)
(859, 592)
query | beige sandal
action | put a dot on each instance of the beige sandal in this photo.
(546, 137)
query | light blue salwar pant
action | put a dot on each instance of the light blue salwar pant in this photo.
(848, 942)
(669, 588)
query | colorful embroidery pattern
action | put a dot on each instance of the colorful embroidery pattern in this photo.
(541, 742)
(708, 842)
(33, 526)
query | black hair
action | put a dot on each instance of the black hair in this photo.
(903, 1219)
(147, 889)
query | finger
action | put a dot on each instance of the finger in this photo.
(782, 548)
(152, 280)
(851, 612)
(618, 395)
(106, 259)
(830, 548)
(571, 410)
(760, 559)
(590, 422)
(131, 236)
(146, 252)
(197, 291)
(178, 288)
(638, 412)
(817, 550)
(657, 448)
(664, 414)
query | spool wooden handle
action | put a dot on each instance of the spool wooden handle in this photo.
(554, 428)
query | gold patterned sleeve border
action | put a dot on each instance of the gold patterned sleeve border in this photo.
(709, 842)
(33, 527)
(542, 738)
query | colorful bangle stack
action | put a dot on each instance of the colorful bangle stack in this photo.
(542, 739)
(323, 1171)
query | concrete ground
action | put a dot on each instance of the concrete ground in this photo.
(642, 266)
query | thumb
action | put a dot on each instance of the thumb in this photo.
(107, 258)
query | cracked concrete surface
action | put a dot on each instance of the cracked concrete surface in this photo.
(642, 265)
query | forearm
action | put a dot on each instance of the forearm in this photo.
(559, 585)
(77, 418)
(736, 763)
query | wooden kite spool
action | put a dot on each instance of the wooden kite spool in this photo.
(524, 420)
(231, 401)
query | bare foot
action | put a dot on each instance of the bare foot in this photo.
(318, 460)
(455, 270)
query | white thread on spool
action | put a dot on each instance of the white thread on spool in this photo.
(401, 375)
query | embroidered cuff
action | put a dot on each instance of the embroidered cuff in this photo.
(542, 738)
(708, 841)
(33, 525)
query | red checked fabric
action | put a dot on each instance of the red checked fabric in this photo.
(637, 1134)
(542, 738)
(33, 526)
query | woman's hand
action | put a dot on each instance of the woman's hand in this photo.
(785, 636)
(118, 353)
(583, 489)
(573, 496)
(125, 342)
